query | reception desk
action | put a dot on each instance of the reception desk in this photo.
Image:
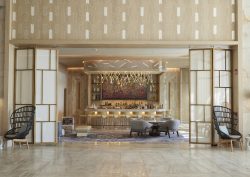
(119, 117)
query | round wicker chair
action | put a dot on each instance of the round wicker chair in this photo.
(225, 122)
(21, 121)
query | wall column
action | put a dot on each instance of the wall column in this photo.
(2, 20)
(244, 72)
(184, 95)
(8, 69)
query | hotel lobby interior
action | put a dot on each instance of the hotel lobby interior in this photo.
(124, 88)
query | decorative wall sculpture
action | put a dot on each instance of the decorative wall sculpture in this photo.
(130, 91)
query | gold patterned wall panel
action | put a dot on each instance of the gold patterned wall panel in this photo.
(124, 20)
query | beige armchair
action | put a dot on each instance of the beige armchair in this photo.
(139, 126)
(170, 125)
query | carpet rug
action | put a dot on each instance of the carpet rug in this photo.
(123, 136)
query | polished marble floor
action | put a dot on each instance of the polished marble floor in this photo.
(124, 160)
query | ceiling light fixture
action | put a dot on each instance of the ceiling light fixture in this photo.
(124, 78)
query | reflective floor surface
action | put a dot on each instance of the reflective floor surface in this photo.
(124, 160)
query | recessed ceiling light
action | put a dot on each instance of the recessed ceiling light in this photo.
(83, 61)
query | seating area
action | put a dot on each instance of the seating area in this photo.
(154, 128)
(140, 131)
(139, 126)
(124, 88)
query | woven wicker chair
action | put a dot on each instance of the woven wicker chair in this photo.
(225, 122)
(21, 121)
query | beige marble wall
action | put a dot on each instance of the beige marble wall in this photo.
(184, 95)
(245, 71)
(62, 84)
(1, 65)
(170, 91)
(175, 95)
(77, 94)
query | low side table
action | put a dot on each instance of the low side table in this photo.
(155, 130)
(82, 130)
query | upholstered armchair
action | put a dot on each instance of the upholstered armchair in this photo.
(171, 125)
(140, 126)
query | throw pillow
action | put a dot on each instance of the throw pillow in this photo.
(224, 129)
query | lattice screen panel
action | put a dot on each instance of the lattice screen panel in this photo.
(210, 85)
(200, 96)
(36, 84)
(24, 80)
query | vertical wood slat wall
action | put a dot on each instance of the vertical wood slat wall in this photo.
(36, 84)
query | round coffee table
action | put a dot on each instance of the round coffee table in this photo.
(155, 130)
